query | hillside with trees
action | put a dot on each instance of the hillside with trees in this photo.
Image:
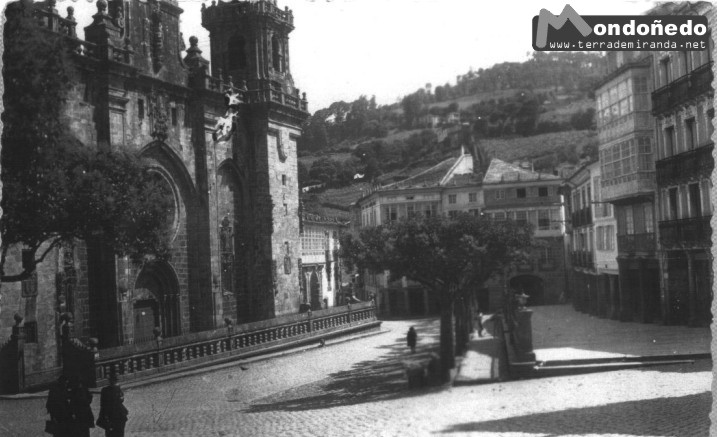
(540, 110)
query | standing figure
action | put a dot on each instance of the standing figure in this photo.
(58, 406)
(82, 414)
(113, 414)
(411, 338)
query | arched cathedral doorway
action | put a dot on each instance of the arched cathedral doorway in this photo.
(156, 302)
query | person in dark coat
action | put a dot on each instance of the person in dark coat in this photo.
(411, 338)
(80, 401)
(58, 405)
(113, 414)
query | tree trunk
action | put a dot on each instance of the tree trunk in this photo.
(462, 326)
(448, 359)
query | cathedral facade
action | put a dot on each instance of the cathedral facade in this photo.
(223, 142)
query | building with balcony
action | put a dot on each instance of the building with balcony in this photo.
(593, 244)
(682, 104)
(511, 192)
(448, 188)
(627, 178)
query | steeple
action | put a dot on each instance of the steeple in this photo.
(250, 41)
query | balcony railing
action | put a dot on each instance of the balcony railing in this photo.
(696, 163)
(687, 87)
(582, 258)
(636, 243)
(693, 232)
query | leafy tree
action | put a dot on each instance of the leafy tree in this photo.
(448, 256)
(55, 189)
(583, 120)
(412, 106)
(324, 170)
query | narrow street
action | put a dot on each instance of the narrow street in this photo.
(359, 388)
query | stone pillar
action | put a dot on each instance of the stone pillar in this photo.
(691, 290)
(642, 295)
(664, 272)
(524, 335)
(625, 313)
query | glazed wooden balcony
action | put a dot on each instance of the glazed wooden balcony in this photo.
(639, 183)
(683, 89)
(686, 233)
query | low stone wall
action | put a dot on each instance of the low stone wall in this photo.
(232, 343)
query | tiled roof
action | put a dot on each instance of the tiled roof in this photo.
(502, 172)
(428, 178)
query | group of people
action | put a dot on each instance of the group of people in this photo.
(69, 405)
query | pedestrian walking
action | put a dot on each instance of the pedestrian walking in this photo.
(113, 413)
(58, 403)
(411, 339)
(81, 398)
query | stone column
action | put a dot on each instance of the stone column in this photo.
(691, 290)
(524, 335)
(624, 311)
(642, 295)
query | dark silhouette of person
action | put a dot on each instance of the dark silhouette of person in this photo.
(58, 405)
(81, 398)
(411, 339)
(113, 413)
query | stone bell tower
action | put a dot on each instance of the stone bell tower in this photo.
(250, 52)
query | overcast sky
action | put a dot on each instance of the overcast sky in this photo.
(341, 49)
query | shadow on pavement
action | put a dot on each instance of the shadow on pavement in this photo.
(684, 415)
(367, 381)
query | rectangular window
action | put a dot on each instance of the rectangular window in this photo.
(710, 126)
(475, 212)
(649, 220)
(686, 62)
(140, 109)
(521, 217)
(543, 191)
(472, 197)
(610, 236)
(499, 194)
(669, 141)
(520, 193)
(695, 200)
(543, 219)
(452, 214)
(706, 201)
(451, 198)
(499, 215)
(600, 237)
(174, 116)
(629, 223)
(665, 72)
(690, 133)
(672, 200)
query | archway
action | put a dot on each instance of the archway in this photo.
(315, 286)
(532, 286)
(156, 301)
